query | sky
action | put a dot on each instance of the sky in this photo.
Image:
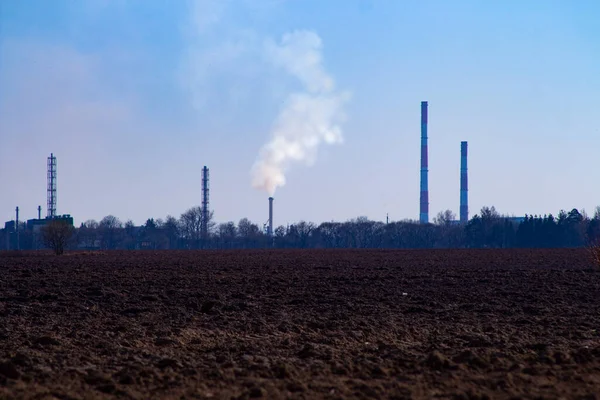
(315, 102)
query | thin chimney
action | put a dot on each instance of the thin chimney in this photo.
(464, 184)
(270, 231)
(17, 227)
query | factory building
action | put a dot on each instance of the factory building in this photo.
(25, 236)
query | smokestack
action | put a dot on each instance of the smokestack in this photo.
(464, 184)
(270, 231)
(39, 212)
(17, 227)
(424, 209)
(205, 201)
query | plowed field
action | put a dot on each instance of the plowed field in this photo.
(460, 324)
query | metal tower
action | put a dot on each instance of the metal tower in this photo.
(51, 186)
(205, 197)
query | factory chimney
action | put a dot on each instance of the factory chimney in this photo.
(39, 212)
(464, 184)
(205, 201)
(17, 227)
(270, 229)
(424, 209)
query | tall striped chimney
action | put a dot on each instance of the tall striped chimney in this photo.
(424, 209)
(464, 184)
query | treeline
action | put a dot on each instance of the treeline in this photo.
(487, 229)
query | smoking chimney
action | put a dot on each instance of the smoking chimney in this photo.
(270, 231)
(424, 209)
(464, 184)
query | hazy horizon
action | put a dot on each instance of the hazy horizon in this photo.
(134, 98)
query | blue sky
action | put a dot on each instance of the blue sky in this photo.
(134, 97)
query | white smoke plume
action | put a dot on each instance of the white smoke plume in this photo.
(307, 118)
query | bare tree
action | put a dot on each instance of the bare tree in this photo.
(87, 234)
(247, 229)
(227, 229)
(110, 228)
(56, 235)
(249, 233)
(280, 231)
(130, 234)
(489, 213)
(171, 227)
(444, 218)
(227, 233)
(304, 230)
(191, 225)
(91, 224)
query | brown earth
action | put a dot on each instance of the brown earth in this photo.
(460, 324)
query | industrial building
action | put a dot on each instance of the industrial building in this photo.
(17, 232)
(27, 235)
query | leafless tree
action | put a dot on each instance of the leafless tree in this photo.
(444, 218)
(489, 213)
(191, 223)
(227, 229)
(247, 229)
(300, 233)
(227, 233)
(279, 231)
(110, 227)
(249, 233)
(130, 234)
(56, 235)
(171, 227)
(91, 224)
(87, 234)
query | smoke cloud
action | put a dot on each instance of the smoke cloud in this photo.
(307, 119)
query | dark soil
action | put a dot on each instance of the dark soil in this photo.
(456, 324)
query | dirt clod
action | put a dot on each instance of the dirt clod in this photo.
(47, 341)
(9, 370)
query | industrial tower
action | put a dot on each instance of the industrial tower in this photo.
(270, 227)
(424, 201)
(51, 187)
(17, 227)
(464, 184)
(205, 196)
